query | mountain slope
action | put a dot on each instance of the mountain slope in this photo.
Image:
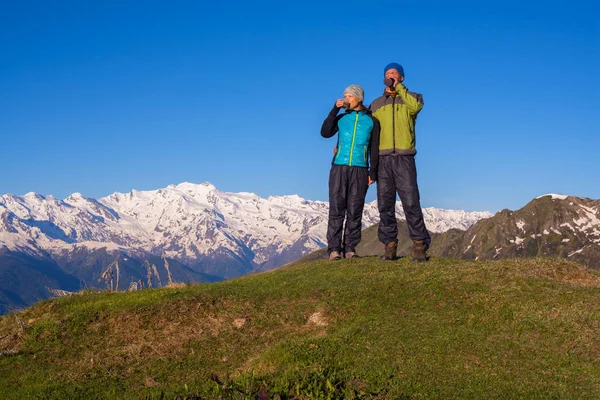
(353, 329)
(25, 279)
(551, 225)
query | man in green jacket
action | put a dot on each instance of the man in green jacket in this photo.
(397, 113)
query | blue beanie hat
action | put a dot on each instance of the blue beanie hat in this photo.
(395, 66)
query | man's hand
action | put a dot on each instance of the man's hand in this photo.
(391, 91)
(339, 103)
(371, 181)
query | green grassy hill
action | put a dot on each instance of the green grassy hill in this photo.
(362, 328)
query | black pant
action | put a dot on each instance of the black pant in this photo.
(399, 174)
(347, 190)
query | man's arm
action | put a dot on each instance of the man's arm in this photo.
(413, 101)
(330, 126)
(374, 150)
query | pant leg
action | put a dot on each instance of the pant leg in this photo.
(408, 190)
(337, 207)
(386, 201)
(358, 183)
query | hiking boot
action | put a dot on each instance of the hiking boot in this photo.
(419, 251)
(351, 254)
(335, 255)
(390, 251)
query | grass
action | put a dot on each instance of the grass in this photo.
(361, 328)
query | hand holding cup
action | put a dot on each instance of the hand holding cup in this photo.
(390, 84)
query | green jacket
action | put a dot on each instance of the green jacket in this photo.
(397, 116)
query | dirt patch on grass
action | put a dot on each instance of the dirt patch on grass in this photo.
(535, 268)
(166, 331)
(239, 322)
(318, 319)
(566, 272)
(575, 274)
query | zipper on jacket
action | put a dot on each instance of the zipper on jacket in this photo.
(353, 137)
(394, 124)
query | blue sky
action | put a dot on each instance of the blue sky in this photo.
(98, 97)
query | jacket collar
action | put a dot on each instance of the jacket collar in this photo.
(363, 110)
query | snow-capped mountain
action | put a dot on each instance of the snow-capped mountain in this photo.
(187, 223)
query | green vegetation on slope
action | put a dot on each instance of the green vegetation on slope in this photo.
(361, 328)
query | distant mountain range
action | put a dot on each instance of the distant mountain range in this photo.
(549, 226)
(203, 234)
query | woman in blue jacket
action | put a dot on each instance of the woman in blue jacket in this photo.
(350, 175)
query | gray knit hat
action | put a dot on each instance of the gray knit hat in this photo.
(355, 90)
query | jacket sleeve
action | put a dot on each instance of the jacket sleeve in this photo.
(374, 149)
(330, 126)
(413, 101)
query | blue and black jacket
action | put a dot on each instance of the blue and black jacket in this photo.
(358, 138)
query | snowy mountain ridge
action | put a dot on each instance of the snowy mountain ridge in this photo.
(185, 222)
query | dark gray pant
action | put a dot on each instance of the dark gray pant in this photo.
(398, 174)
(347, 190)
